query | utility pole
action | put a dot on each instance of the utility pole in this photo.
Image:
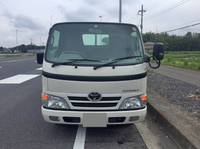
(156, 35)
(40, 43)
(31, 43)
(120, 10)
(51, 22)
(141, 11)
(17, 41)
(101, 18)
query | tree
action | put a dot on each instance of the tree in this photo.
(189, 42)
(1, 48)
(24, 48)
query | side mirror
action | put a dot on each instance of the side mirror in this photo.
(158, 51)
(158, 54)
(40, 57)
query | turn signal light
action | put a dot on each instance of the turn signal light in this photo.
(44, 97)
(144, 97)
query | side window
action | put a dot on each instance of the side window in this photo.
(54, 44)
(136, 45)
(95, 39)
(134, 40)
(55, 39)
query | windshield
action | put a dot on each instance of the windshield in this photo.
(95, 43)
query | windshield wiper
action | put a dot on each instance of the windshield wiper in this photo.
(115, 61)
(74, 60)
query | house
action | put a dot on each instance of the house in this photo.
(148, 46)
(5, 50)
(35, 51)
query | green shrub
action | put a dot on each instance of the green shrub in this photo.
(198, 67)
(185, 63)
(169, 59)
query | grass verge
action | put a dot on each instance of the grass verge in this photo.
(184, 59)
(6, 55)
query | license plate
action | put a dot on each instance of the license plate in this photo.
(94, 120)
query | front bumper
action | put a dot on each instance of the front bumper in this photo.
(94, 118)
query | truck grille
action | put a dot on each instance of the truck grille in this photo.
(94, 104)
(84, 102)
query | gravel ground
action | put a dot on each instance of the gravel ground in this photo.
(186, 96)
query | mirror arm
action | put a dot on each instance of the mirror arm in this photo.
(157, 62)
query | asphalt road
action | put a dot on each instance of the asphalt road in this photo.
(189, 76)
(22, 125)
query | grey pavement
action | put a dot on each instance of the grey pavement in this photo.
(189, 76)
(179, 125)
(22, 125)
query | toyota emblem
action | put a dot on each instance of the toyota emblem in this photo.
(94, 96)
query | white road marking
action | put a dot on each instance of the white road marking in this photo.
(9, 61)
(0, 67)
(17, 60)
(80, 138)
(18, 79)
(39, 68)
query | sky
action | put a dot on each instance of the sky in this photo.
(28, 21)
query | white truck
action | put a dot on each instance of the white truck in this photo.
(95, 74)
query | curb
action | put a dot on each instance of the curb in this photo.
(169, 119)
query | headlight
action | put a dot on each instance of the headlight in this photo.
(133, 103)
(50, 101)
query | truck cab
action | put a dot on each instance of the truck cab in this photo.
(95, 74)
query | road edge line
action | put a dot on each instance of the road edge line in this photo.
(80, 138)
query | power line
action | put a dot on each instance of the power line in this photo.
(155, 4)
(149, 8)
(152, 4)
(183, 27)
(133, 17)
(136, 15)
(149, 3)
(161, 2)
(178, 26)
(167, 10)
